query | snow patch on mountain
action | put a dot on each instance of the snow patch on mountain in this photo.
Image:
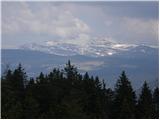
(96, 47)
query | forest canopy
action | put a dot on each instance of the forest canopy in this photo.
(68, 94)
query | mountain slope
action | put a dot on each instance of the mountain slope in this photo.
(139, 65)
(96, 48)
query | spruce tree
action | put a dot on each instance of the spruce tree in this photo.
(71, 76)
(124, 99)
(145, 103)
(6, 93)
(70, 71)
(156, 103)
(41, 79)
(13, 93)
(19, 77)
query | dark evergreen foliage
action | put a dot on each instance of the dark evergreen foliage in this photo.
(68, 94)
(124, 99)
(145, 103)
(156, 104)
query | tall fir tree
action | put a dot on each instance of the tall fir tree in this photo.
(13, 93)
(145, 103)
(6, 93)
(124, 99)
(156, 103)
(71, 71)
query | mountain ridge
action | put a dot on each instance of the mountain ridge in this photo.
(96, 48)
(139, 66)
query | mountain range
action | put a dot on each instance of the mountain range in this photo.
(103, 58)
(96, 47)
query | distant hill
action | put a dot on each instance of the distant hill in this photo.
(140, 63)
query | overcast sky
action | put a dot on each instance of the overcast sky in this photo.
(79, 22)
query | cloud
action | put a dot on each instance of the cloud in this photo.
(89, 65)
(45, 18)
(133, 30)
(81, 40)
(79, 23)
(129, 66)
(141, 27)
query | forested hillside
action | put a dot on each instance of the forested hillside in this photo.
(68, 94)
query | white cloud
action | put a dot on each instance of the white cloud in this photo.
(18, 17)
(81, 40)
(75, 23)
(133, 30)
(141, 27)
(89, 65)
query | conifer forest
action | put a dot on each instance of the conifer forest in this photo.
(68, 94)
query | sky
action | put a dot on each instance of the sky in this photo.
(79, 22)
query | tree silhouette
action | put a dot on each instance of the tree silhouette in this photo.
(68, 94)
(156, 103)
(124, 99)
(145, 105)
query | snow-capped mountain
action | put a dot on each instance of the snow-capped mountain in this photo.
(140, 63)
(57, 49)
(97, 47)
(100, 56)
